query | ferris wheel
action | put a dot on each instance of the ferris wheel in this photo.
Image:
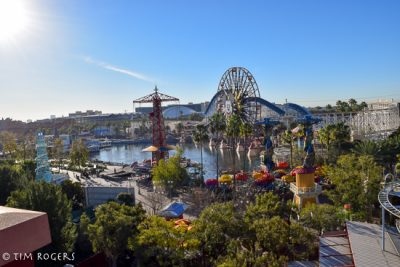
(237, 94)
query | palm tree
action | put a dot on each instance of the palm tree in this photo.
(245, 131)
(233, 131)
(287, 138)
(324, 135)
(199, 136)
(340, 134)
(366, 147)
(217, 125)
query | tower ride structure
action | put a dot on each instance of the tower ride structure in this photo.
(305, 189)
(156, 117)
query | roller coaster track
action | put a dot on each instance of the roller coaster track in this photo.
(281, 112)
(383, 197)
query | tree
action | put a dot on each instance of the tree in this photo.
(11, 179)
(58, 150)
(156, 201)
(362, 106)
(356, 181)
(74, 192)
(9, 143)
(342, 106)
(340, 133)
(334, 135)
(217, 225)
(26, 148)
(353, 104)
(200, 136)
(389, 149)
(125, 199)
(367, 147)
(233, 131)
(245, 131)
(49, 198)
(79, 154)
(217, 125)
(160, 241)
(266, 206)
(169, 173)
(322, 217)
(113, 226)
(324, 135)
(287, 138)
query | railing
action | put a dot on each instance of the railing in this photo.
(316, 189)
(383, 198)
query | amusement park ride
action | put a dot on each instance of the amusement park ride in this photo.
(305, 189)
(160, 147)
(43, 172)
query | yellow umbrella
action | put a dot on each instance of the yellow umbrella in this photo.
(150, 149)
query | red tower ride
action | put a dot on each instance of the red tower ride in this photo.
(157, 120)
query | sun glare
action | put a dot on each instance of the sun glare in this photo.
(13, 19)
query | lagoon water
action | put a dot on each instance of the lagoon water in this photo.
(130, 153)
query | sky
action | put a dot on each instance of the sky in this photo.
(102, 54)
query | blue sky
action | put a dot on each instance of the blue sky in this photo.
(102, 54)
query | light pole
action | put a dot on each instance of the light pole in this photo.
(169, 182)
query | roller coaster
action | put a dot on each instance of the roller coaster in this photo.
(238, 88)
(238, 84)
(387, 197)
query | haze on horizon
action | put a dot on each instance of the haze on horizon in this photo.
(57, 57)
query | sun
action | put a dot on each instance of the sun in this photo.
(13, 19)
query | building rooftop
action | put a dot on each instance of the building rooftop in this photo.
(365, 240)
(22, 231)
(335, 250)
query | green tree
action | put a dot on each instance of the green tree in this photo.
(389, 149)
(169, 173)
(49, 198)
(245, 131)
(217, 126)
(233, 131)
(79, 154)
(58, 150)
(287, 138)
(217, 225)
(340, 134)
(200, 136)
(9, 143)
(367, 147)
(266, 206)
(74, 192)
(363, 106)
(113, 226)
(126, 199)
(334, 135)
(356, 181)
(353, 104)
(11, 179)
(160, 241)
(322, 217)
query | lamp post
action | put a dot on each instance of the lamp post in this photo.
(169, 182)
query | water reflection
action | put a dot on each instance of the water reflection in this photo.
(226, 158)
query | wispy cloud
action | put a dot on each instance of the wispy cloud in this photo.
(107, 66)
